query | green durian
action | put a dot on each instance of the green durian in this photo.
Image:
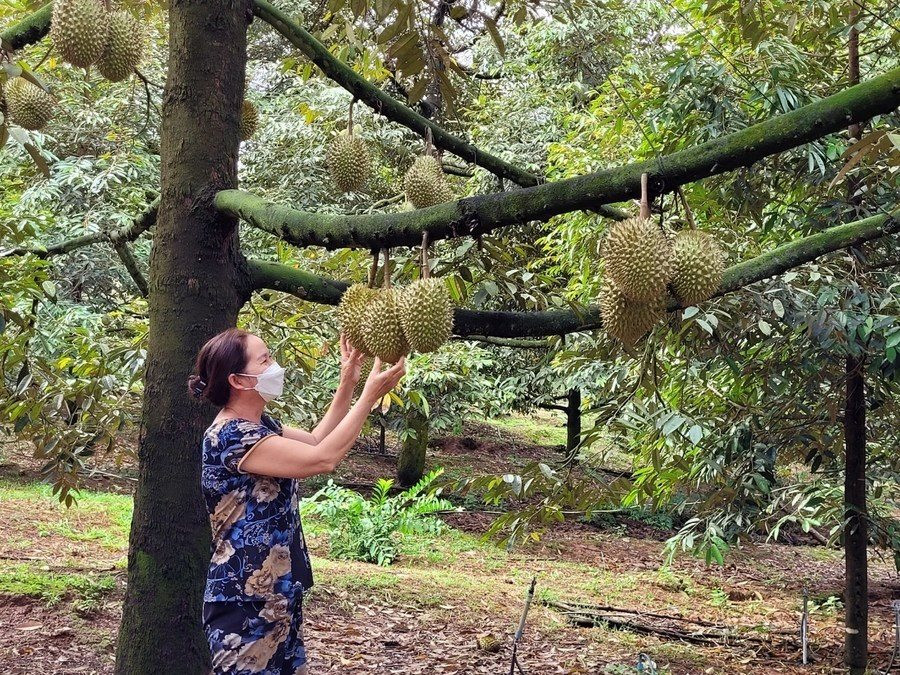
(351, 311)
(78, 30)
(28, 105)
(425, 184)
(348, 162)
(638, 259)
(624, 319)
(381, 329)
(249, 120)
(699, 265)
(426, 314)
(124, 46)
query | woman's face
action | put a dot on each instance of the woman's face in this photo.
(258, 356)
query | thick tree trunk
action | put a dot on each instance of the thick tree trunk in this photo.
(411, 463)
(856, 532)
(573, 419)
(195, 291)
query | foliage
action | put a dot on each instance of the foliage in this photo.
(367, 529)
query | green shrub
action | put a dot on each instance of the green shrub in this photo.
(368, 529)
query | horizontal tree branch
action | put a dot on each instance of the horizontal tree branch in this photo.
(27, 31)
(127, 233)
(509, 342)
(394, 110)
(559, 322)
(484, 213)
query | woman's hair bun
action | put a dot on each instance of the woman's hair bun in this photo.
(196, 386)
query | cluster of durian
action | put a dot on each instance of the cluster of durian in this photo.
(86, 33)
(391, 322)
(644, 267)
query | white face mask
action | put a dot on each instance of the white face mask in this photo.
(270, 382)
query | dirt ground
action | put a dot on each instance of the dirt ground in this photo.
(424, 614)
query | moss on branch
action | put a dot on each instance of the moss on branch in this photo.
(560, 322)
(27, 31)
(484, 213)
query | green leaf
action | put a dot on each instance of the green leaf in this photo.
(764, 327)
(491, 26)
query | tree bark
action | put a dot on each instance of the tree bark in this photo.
(856, 532)
(573, 419)
(194, 294)
(313, 288)
(411, 462)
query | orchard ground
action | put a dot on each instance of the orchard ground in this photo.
(62, 575)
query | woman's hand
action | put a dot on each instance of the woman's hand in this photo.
(351, 362)
(381, 382)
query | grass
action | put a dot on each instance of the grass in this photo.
(543, 430)
(51, 587)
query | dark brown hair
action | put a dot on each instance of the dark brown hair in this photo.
(222, 355)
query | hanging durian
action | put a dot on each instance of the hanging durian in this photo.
(624, 319)
(78, 30)
(381, 330)
(348, 161)
(638, 259)
(351, 310)
(364, 371)
(124, 45)
(426, 310)
(28, 105)
(699, 264)
(249, 120)
(424, 183)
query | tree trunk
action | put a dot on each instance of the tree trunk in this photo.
(573, 419)
(856, 531)
(856, 534)
(411, 463)
(197, 285)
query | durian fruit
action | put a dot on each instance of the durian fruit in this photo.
(364, 371)
(699, 264)
(426, 314)
(28, 105)
(639, 259)
(351, 311)
(488, 643)
(382, 332)
(348, 162)
(124, 45)
(249, 120)
(624, 319)
(424, 183)
(78, 30)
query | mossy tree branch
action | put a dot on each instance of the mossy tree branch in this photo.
(27, 31)
(559, 322)
(484, 213)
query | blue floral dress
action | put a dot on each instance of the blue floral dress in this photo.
(259, 568)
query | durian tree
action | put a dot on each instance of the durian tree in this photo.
(199, 278)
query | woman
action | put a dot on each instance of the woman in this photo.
(260, 567)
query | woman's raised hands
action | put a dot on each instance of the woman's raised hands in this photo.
(380, 382)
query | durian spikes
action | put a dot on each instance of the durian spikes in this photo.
(699, 265)
(424, 183)
(28, 105)
(249, 120)
(351, 311)
(78, 30)
(124, 46)
(624, 319)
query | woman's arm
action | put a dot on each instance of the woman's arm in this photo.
(351, 364)
(284, 457)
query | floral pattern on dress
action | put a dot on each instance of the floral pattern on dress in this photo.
(258, 548)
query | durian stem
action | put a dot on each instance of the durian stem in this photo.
(426, 272)
(350, 119)
(429, 141)
(373, 268)
(645, 199)
(688, 214)
(387, 267)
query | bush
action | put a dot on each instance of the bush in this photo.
(368, 529)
